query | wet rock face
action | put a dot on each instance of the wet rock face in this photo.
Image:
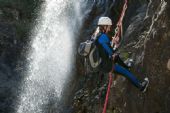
(10, 48)
(155, 63)
(15, 22)
(168, 64)
(10, 14)
(16, 19)
(147, 37)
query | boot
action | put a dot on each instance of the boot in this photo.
(144, 85)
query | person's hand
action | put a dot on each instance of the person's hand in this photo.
(113, 56)
(115, 40)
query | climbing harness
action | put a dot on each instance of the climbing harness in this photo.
(119, 29)
(118, 34)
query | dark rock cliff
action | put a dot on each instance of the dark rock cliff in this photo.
(147, 37)
(16, 19)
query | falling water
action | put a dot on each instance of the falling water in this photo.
(51, 55)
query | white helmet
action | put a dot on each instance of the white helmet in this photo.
(104, 21)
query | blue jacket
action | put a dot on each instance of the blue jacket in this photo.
(105, 52)
(106, 44)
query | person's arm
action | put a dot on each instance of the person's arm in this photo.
(104, 41)
(108, 49)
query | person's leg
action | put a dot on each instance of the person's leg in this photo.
(119, 69)
(120, 61)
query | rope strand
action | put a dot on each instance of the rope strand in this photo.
(119, 30)
(108, 91)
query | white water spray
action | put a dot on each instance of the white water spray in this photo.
(51, 55)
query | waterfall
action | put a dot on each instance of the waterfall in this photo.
(51, 55)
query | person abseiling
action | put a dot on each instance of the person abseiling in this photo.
(111, 62)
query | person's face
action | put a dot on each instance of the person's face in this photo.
(108, 28)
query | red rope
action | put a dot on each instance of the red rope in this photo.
(108, 91)
(116, 37)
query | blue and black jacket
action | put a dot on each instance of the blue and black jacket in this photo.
(106, 52)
